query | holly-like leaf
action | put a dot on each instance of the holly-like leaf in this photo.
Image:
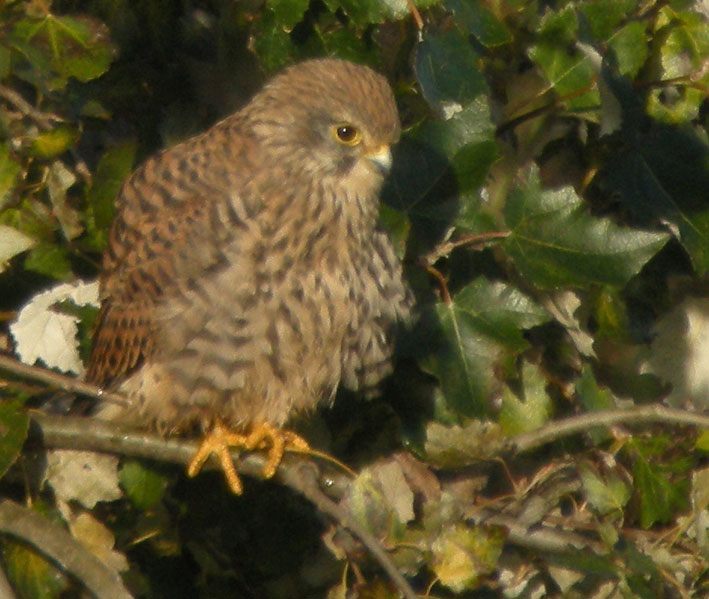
(568, 71)
(447, 70)
(480, 328)
(661, 493)
(530, 407)
(474, 18)
(555, 242)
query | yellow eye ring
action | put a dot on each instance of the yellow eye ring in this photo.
(347, 134)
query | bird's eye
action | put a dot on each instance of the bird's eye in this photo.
(347, 134)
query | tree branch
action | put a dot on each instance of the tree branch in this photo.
(296, 472)
(57, 544)
(565, 427)
(60, 381)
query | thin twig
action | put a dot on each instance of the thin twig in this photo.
(60, 381)
(44, 122)
(584, 422)
(43, 119)
(416, 15)
(444, 249)
(57, 544)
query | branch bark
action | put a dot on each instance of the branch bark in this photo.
(57, 544)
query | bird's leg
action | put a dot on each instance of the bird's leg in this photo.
(221, 439)
(218, 442)
(264, 434)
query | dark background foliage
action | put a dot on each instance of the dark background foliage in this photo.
(549, 198)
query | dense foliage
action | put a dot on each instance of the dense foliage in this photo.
(549, 197)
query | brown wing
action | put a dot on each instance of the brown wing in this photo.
(172, 217)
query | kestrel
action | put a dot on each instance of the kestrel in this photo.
(246, 276)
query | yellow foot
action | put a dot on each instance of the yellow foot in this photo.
(220, 440)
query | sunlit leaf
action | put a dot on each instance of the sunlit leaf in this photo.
(12, 242)
(525, 411)
(463, 554)
(556, 242)
(54, 142)
(568, 71)
(608, 494)
(630, 46)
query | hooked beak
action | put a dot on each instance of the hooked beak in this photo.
(381, 158)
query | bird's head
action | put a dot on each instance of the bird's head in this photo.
(331, 120)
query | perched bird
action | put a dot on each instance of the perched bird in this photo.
(245, 276)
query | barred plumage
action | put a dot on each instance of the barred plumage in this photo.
(245, 275)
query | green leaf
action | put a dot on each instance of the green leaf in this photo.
(686, 46)
(555, 242)
(462, 554)
(369, 506)
(76, 47)
(144, 486)
(112, 170)
(50, 259)
(594, 398)
(32, 575)
(14, 424)
(362, 12)
(532, 409)
(272, 44)
(606, 496)
(439, 158)
(702, 442)
(54, 142)
(568, 71)
(480, 328)
(447, 70)
(631, 48)
(9, 169)
(288, 13)
(604, 16)
(477, 20)
(660, 494)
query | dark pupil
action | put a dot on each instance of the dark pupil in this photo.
(346, 133)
